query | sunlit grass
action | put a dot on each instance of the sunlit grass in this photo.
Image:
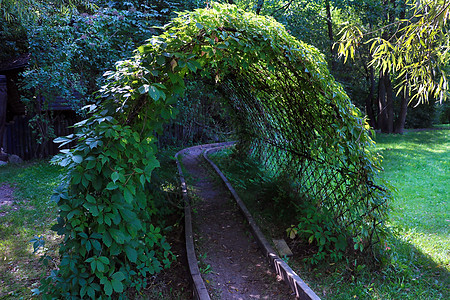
(416, 260)
(418, 165)
(32, 214)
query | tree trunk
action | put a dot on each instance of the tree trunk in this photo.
(330, 32)
(385, 104)
(389, 104)
(259, 6)
(399, 126)
(369, 100)
(385, 90)
(381, 101)
(400, 122)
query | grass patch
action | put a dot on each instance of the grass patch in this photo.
(418, 165)
(31, 214)
(415, 259)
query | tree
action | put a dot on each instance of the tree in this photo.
(317, 21)
(413, 46)
(24, 9)
(71, 48)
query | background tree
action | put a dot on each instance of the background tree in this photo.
(413, 46)
(318, 21)
(70, 45)
(85, 36)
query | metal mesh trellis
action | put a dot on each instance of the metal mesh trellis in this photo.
(296, 132)
(289, 108)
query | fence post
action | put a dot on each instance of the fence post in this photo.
(3, 102)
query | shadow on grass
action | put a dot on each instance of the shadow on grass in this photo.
(414, 274)
(403, 272)
(31, 214)
(411, 140)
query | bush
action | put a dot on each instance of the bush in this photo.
(107, 216)
(421, 116)
(443, 113)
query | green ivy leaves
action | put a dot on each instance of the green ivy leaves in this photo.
(98, 263)
(153, 91)
(105, 211)
(114, 284)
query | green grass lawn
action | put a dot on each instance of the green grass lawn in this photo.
(417, 267)
(32, 214)
(418, 165)
(416, 260)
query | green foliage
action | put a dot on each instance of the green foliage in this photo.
(13, 36)
(203, 116)
(104, 37)
(106, 212)
(49, 75)
(421, 116)
(260, 61)
(70, 51)
(305, 20)
(443, 113)
(11, 10)
(416, 49)
(263, 192)
(317, 227)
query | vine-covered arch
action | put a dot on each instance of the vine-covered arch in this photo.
(289, 109)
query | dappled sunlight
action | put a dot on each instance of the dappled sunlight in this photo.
(19, 266)
(417, 165)
(423, 255)
(433, 245)
(30, 215)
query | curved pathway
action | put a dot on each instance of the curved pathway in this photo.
(230, 261)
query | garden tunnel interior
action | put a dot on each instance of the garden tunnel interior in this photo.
(287, 132)
(290, 114)
(290, 111)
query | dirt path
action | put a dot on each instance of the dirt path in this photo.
(233, 265)
(6, 197)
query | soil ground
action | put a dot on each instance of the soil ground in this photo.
(230, 260)
(6, 196)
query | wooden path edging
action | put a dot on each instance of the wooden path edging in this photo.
(297, 285)
(199, 289)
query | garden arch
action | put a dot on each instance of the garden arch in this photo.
(291, 113)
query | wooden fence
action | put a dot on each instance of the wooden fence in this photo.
(20, 140)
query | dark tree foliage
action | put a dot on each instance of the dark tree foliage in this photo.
(320, 23)
(71, 48)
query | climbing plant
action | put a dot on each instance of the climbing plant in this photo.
(290, 112)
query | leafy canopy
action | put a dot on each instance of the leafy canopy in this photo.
(29, 9)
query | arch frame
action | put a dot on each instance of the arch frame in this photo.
(291, 112)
